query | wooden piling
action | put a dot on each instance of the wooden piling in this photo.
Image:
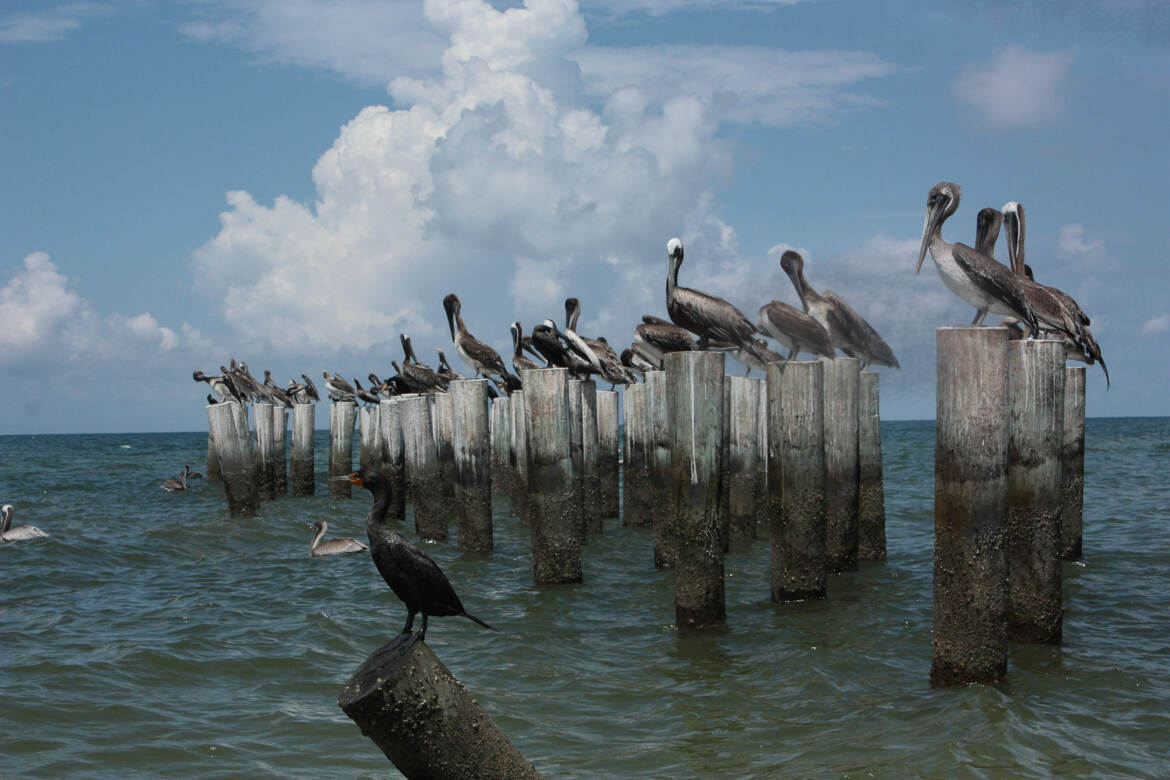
(796, 479)
(441, 421)
(694, 400)
(279, 450)
(342, 415)
(577, 452)
(763, 524)
(842, 378)
(557, 535)
(724, 485)
(471, 448)
(302, 463)
(370, 437)
(393, 456)
(1073, 463)
(499, 422)
(518, 455)
(871, 496)
(422, 718)
(607, 435)
(265, 449)
(422, 467)
(970, 507)
(591, 459)
(635, 458)
(234, 450)
(658, 452)
(1035, 428)
(740, 471)
(213, 472)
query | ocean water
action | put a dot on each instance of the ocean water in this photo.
(152, 635)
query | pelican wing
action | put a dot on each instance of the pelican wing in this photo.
(862, 335)
(996, 280)
(791, 326)
(709, 316)
(666, 337)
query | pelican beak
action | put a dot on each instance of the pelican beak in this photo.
(929, 223)
(352, 479)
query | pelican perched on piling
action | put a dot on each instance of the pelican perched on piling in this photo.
(319, 548)
(20, 532)
(707, 316)
(310, 388)
(848, 331)
(608, 361)
(445, 371)
(418, 377)
(475, 353)
(369, 397)
(795, 329)
(973, 276)
(987, 224)
(656, 337)
(520, 361)
(339, 390)
(222, 386)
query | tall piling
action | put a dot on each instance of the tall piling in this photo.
(740, 470)
(499, 422)
(871, 496)
(301, 463)
(279, 449)
(842, 385)
(518, 455)
(422, 718)
(658, 452)
(763, 523)
(422, 467)
(724, 485)
(635, 458)
(471, 447)
(577, 452)
(694, 400)
(557, 535)
(607, 435)
(393, 456)
(1035, 428)
(234, 451)
(265, 448)
(1073, 463)
(796, 479)
(442, 422)
(970, 507)
(213, 472)
(591, 459)
(342, 415)
(370, 437)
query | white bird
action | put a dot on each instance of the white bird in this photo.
(10, 534)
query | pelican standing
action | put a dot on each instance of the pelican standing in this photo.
(656, 337)
(339, 390)
(319, 548)
(795, 329)
(418, 377)
(475, 353)
(20, 532)
(987, 225)
(520, 361)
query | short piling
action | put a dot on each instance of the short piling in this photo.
(591, 459)
(280, 451)
(577, 452)
(557, 535)
(444, 433)
(635, 458)
(1035, 427)
(763, 524)
(842, 386)
(301, 462)
(694, 400)
(422, 718)
(499, 422)
(342, 415)
(234, 450)
(471, 447)
(369, 437)
(1073, 464)
(518, 455)
(796, 480)
(213, 472)
(422, 467)
(970, 507)
(393, 456)
(265, 449)
(658, 452)
(871, 496)
(607, 435)
(740, 471)
(724, 484)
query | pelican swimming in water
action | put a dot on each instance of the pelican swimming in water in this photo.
(20, 532)
(411, 574)
(1056, 311)
(656, 337)
(707, 316)
(319, 548)
(485, 360)
(848, 331)
(976, 278)
(180, 484)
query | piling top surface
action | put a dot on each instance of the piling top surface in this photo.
(382, 663)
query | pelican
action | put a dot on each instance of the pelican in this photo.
(655, 337)
(758, 359)
(794, 329)
(222, 386)
(608, 361)
(418, 377)
(310, 388)
(974, 277)
(987, 224)
(520, 361)
(848, 330)
(579, 357)
(339, 390)
(636, 360)
(21, 532)
(180, 484)
(445, 371)
(1053, 307)
(275, 392)
(475, 353)
(368, 396)
(318, 548)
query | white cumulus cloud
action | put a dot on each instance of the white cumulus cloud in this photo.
(1016, 87)
(1155, 325)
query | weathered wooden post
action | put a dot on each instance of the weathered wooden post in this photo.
(796, 479)
(518, 455)
(970, 507)
(471, 446)
(370, 437)
(658, 453)
(501, 435)
(234, 449)
(557, 535)
(422, 467)
(263, 447)
(407, 702)
(763, 523)
(213, 472)
(871, 496)
(280, 452)
(636, 458)
(441, 421)
(590, 459)
(1073, 463)
(302, 463)
(740, 471)
(577, 453)
(724, 485)
(842, 383)
(1035, 428)
(607, 435)
(393, 456)
(341, 421)
(694, 400)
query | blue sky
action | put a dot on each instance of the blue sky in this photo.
(294, 183)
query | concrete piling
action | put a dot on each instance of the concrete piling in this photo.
(607, 435)
(842, 377)
(342, 415)
(1073, 463)
(871, 496)
(471, 448)
(301, 462)
(422, 467)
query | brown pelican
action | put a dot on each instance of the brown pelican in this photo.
(243, 378)
(520, 361)
(655, 337)
(1055, 309)
(222, 386)
(758, 359)
(310, 388)
(20, 532)
(636, 360)
(411, 574)
(987, 224)
(445, 371)
(608, 361)
(974, 277)
(180, 484)
(707, 316)
(418, 377)
(366, 396)
(475, 353)
(275, 392)
(339, 390)
(578, 356)
(318, 548)
(848, 331)
(795, 329)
